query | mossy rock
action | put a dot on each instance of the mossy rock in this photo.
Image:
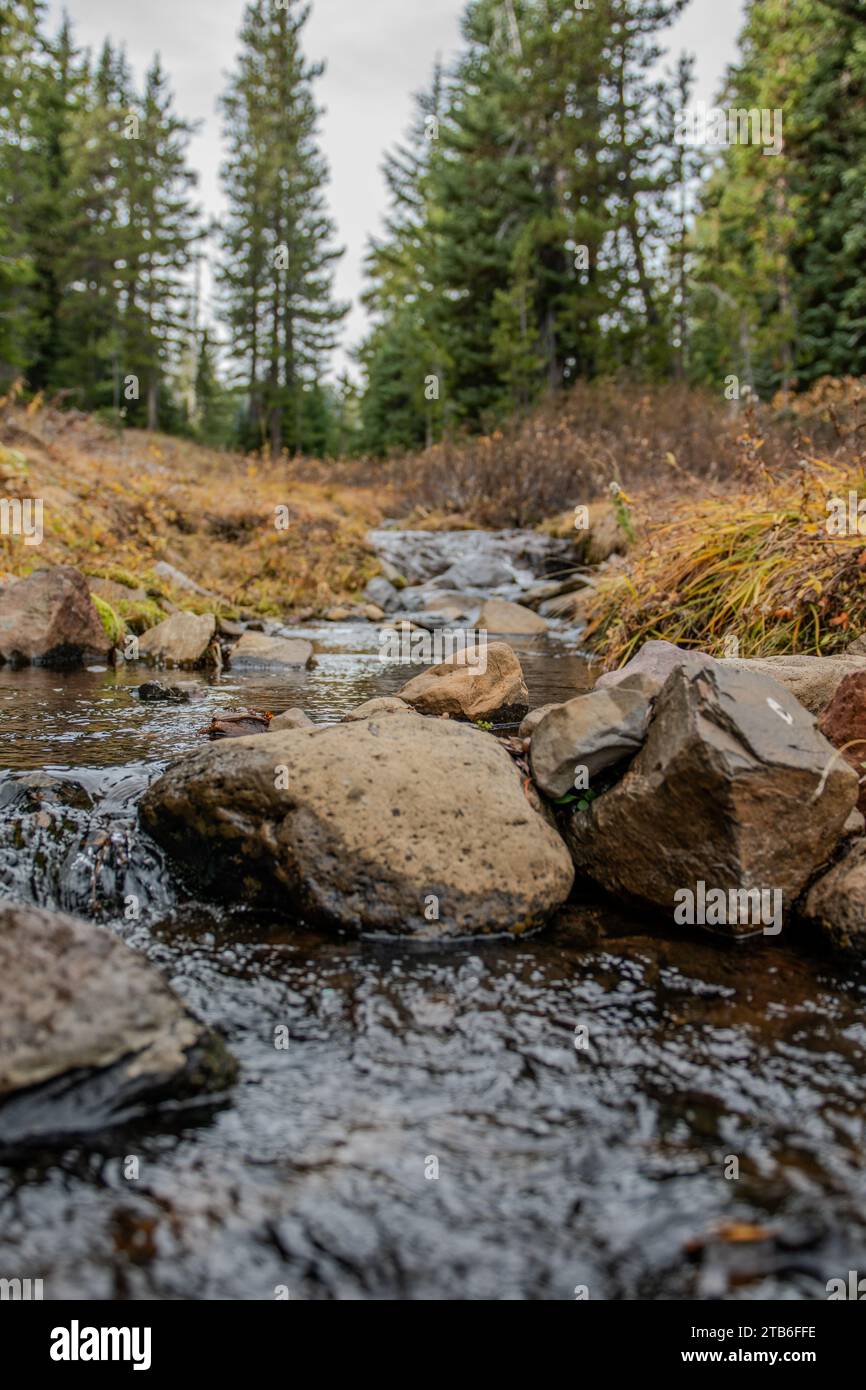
(112, 622)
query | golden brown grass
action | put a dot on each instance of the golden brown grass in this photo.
(115, 505)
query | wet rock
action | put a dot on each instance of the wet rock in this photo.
(835, 905)
(534, 718)
(49, 619)
(734, 787)
(256, 649)
(88, 1028)
(238, 723)
(479, 572)
(499, 617)
(383, 704)
(383, 594)
(843, 722)
(652, 665)
(184, 639)
(463, 690)
(813, 680)
(290, 719)
(153, 692)
(398, 825)
(229, 629)
(594, 731)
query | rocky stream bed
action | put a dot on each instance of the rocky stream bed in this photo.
(398, 1117)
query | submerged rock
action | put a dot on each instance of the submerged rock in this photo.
(813, 680)
(593, 731)
(734, 788)
(49, 619)
(184, 639)
(396, 825)
(154, 692)
(88, 1028)
(256, 649)
(463, 690)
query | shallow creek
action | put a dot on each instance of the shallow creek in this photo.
(557, 1166)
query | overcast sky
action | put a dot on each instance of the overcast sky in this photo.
(378, 53)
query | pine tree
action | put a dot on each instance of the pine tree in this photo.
(277, 268)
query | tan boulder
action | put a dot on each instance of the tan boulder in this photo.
(290, 719)
(398, 825)
(464, 690)
(499, 617)
(257, 649)
(184, 639)
(382, 704)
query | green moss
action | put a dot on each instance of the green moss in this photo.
(140, 614)
(115, 628)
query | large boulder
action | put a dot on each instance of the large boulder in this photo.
(734, 788)
(813, 680)
(256, 649)
(835, 905)
(397, 825)
(843, 722)
(594, 732)
(88, 1028)
(499, 617)
(184, 639)
(652, 665)
(49, 619)
(493, 689)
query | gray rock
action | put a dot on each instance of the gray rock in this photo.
(154, 692)
(814, 680)
(654, 662)
(594, 731)
(398, 825)
(381, 592)
(534, 718)
(49, 619)
(88, 1027)
(257, 649)
(734, 787)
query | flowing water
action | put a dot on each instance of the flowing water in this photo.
(432, 1130)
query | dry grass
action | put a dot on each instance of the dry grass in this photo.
(120, 504)
(754, 562)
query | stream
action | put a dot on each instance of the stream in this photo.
(432, 1131)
